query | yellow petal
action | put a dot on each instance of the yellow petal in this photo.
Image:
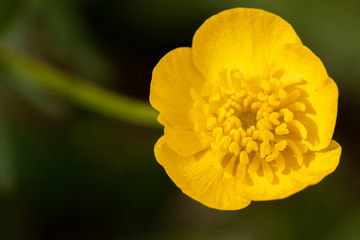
(200, 178)
(300, 65)
(317, 165)
(240, 38)
(172, 79)
(186, 142)
(162, 120)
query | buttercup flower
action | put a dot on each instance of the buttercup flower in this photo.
(249, 112)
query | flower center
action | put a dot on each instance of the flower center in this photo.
(253, 123)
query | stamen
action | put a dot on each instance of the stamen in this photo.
(290, 98)
(264, 125)
(265, 149)
(241, 173)
(281, 129)
(282, 94)
(274, 118)
(237, 136)
(255, 106)
(217, 133)
(229, 168)
(225, 142)
(267, 136)
(251, 146)
(250, 126)
(280, 162)
(254, 164)
(245, 141)
(297, 106)
(273, 102)
(288, 115)
(268, 173)
(255, 134)
(244, 157)
(234, 148)
(280, 146)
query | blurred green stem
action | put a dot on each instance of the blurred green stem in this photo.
(79, 91)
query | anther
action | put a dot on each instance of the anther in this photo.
(263, 125)
(245, 141)
(242, 133)
(237, 135)
(267, 107)
(234, 148)
(227, 128)
(237, 122)
(255, 106)
(246, 103)
(251, 146)
(230, 112)
(281, 129)
(232, 133)
(250, 130)
(237, 106)
(255, 135)
(265, 149)
(288, 115)
(272, 156)
(266, 116)
(226, 105)
(280, 146)
(217, 133)
(267, 136)
(262, 97)
(259, 114)
(221, 117)
(273, 102)
(274, 116)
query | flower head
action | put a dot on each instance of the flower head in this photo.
(249, 112)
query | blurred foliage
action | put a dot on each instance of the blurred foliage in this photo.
(77, 133)
(36, 75)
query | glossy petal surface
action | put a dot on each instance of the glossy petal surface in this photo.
(249, 112)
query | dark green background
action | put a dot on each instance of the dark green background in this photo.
(69, 173)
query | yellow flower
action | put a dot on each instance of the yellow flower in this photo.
(249, 112)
